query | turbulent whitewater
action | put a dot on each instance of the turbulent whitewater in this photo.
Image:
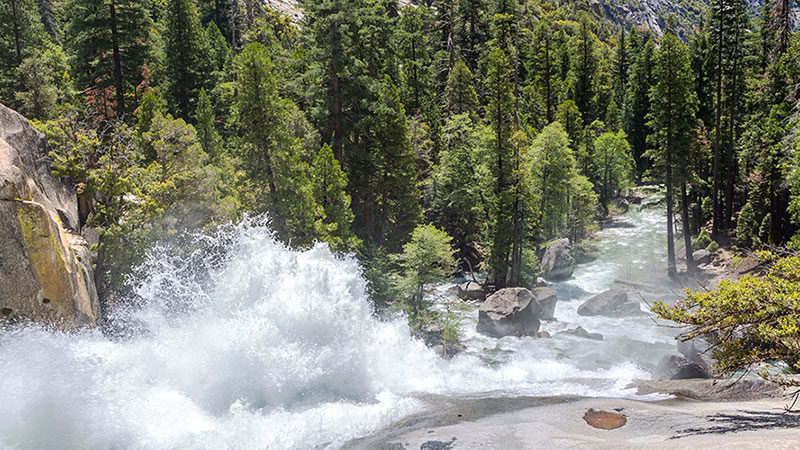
(242, 343)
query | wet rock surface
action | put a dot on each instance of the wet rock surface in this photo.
(46, 266)
(604, 420)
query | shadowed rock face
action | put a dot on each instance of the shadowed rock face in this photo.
(45, 265)
(558, 263)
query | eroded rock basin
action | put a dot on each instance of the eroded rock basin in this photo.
(558, 422)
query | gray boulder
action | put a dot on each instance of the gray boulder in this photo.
(698, 351)
(701, 256)
(547, 298)
(612, 303)
(45, 264)
(510, 311)
(674, 367)
(471, 290)
(558, 262)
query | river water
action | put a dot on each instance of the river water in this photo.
(244, 343)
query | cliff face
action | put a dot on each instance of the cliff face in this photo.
(45, 265)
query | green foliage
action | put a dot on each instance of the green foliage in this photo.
(328, 184)
(702, 240)
(21, 36)
(109, 42)
(395, 189)
(45, 82)
(500, 115)
(460, 96)
(426, 257)
(456, 204)
(188, 63)
(612, 164)
(751, 322)
(553, 167)
(277, 179)
(207, 133)
(712, 247)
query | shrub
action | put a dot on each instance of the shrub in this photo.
(702, 240)
(751, 322)
(712, 246)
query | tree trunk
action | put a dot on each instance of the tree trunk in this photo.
(118, 82)
(17, 45)
(715, 195)
(731, 135)
(547, 87)
(672, 270)
(687, 232)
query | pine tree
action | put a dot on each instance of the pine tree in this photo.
(278, 179)
(673, 120)
(187, 60)
(620, 70)
(499, 113)
(583, 69)
(207, 134)
(457, 206)
(329, 183)
(415, 54)
(637, 106)
(396, 197)
(21, 35)
(460, 96)
(552, 164)
(613, 164)
(110, 41)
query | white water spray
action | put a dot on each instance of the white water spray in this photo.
(247, 344)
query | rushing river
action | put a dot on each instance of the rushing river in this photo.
(252, 345)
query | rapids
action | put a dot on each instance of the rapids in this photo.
(243, 343)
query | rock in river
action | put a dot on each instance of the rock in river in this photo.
(674, 367)
(471, 290)
(558, 262)
(45, 265)
(510, 311)
(547, 298)
(612, 303)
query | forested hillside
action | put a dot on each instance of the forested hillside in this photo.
(504, 124)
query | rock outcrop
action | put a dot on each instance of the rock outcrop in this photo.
(45, 265)
(547, 298)
(558, 262)
(508, 312)
(612, 303)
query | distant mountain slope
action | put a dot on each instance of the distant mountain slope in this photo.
(645, 14)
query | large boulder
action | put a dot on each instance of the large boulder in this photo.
(701, 256)
(471, 290)
(45, 265)
(612, 303)
(510, 311)
(674, 367)
(558, 262)
(547, 298)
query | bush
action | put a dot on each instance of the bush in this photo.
(751, 322)
(712, 247)
(702, 240)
